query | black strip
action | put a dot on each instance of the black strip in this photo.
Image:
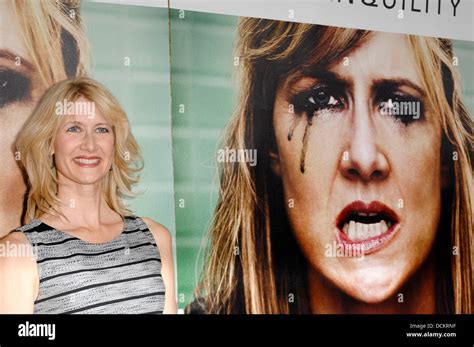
(103, 284)
(94, 254)
(132, 231)
(102, 268)
(153, 312)
(39, 228)
(54, 243)
(114, 301)
(128, 232)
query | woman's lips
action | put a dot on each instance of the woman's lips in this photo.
(87, 161)
(366, 227)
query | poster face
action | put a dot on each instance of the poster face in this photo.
(294, 161)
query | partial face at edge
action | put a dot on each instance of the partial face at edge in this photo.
(363, 174)
(20, 86)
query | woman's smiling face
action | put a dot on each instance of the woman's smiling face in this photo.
(359, 157)
(84, 146)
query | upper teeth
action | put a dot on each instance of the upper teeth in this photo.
(87, 161)
(363, 214)
(356, 231)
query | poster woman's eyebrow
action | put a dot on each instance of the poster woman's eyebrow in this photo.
(9, 55)
(322, 75)
(395, 83)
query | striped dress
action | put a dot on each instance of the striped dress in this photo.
(117, 277)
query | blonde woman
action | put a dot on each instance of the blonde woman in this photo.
(42, 42)
(362, 201)
(83, 250)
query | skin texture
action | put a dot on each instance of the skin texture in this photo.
(88, 215)
(354, 152)
(20, 90)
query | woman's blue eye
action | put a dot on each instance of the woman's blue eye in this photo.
(73, 129)
(102, 130)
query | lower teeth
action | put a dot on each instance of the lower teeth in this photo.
(356, 231)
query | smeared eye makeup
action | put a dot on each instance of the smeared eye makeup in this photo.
(14, 87)
(402, 107)
(399, 99)
(320, 98)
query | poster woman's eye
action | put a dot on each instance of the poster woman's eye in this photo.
(318, 99)
(401, 107)
(13, 87)
(323, 98)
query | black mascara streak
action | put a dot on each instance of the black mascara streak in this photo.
(292, 129)
(305, 144)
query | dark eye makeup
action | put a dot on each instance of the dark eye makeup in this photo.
(323, 98)
(14, 87)
(319, 98)
(402, 107)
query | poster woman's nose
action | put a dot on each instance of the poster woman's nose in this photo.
(363, 158)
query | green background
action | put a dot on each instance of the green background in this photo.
(143, 89)
(201, 73)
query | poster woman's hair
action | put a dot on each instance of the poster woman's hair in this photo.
(54, 38)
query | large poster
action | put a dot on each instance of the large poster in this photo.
(210, 157)
(326, 199)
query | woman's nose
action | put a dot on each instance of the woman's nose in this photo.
(89, 142)
(363, 159)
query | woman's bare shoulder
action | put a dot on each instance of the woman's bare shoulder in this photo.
(157, 229)
(19, 281)
(16, 251)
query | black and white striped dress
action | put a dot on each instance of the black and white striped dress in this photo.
(117, 277)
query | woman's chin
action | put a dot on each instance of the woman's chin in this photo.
(371, 288)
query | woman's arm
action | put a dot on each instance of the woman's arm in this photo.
(19, 279)
(164, 242)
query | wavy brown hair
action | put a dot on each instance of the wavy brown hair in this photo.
(252, 263)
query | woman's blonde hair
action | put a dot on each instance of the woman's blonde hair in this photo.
(54, 38)
(35, 143)
(253, 263)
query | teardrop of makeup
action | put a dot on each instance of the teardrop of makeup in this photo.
(305, 144)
